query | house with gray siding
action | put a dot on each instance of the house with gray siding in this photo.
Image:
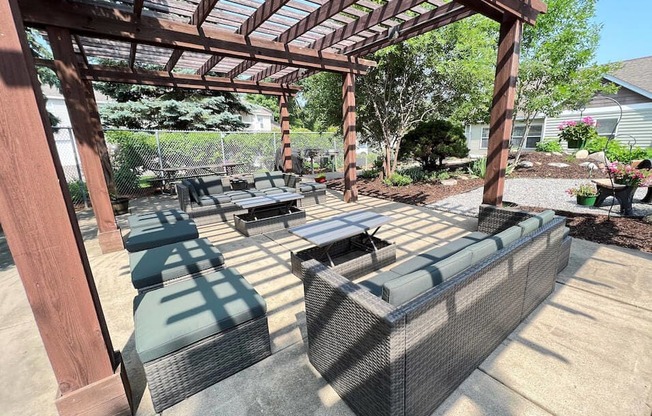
(634, 126)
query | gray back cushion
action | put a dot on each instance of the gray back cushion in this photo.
(269, 180)
(209, 185)
(405, 288)
(545, 217)
(529, 225)
(507, 237)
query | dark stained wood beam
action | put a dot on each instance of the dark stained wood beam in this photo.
(525, 10)
(284, 120)
(43, 234)
(315, 18)
(81, 49)
(107, 23)
(138, 10)
(502, 110)
(371, 19)
(349, 131)
(187, 81)
(264, 12)
(202, 11)
(87, 128)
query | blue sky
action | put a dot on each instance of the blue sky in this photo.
(626, 31)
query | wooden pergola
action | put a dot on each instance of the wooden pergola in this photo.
(249, 46)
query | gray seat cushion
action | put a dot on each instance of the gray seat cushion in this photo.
(209, 185)
(169, 262)
(269, 180)
(273, 191)
(311, 187)
(216, 199)
(405, 288)
(375, 284)
(142, 238)
(235, 195)
(436, 254)
(175, 316)
(167, 216)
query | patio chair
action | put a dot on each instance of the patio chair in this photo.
(156, 235)
(278, 182)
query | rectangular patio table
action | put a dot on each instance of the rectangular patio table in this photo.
(345, 243)
(269, 213)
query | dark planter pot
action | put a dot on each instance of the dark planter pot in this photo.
(588, 201)
(320, 180)
(120, 205)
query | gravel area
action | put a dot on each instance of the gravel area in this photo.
(532, 192)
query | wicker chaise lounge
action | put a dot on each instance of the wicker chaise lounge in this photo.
(404, 351)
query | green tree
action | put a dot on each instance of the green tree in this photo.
(557, 64)
(430, 142)
(322, 98)
(45, 75)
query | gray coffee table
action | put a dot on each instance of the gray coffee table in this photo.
(269, 213)
(344, 243)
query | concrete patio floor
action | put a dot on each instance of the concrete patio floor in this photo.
(584, 351)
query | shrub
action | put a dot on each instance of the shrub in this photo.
(416, 173)
(369, 174)
(78, 190)
(396, 179)
(443, 175)
(479, 168)
(430, 142)
(549, 146)
(616, 150)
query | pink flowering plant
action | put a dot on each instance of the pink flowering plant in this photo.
(626, 174)
(577, 133)
(583, 190)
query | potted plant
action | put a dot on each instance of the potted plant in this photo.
(577, 133)
(120, 204)
(320, 178)
(585, 193)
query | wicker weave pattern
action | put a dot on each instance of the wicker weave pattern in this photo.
(176, 376)
(565, 253)
(407, 360)
(295, 217)
(359, 266)
(492, 220)
(312, 198)
(354, 342)
(179, 279)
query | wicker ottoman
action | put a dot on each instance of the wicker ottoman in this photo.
(142, 238)
(194, 333)
(160, 266)
(167, 216)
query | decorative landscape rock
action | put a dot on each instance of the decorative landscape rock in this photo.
(558, 165)
(448, 182)
(582, 154)
(557, 153)
(648, 219)
(525, 164)
(599, 157)
(592, 167)
(584, 164)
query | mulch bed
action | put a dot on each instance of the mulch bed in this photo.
(624, 232)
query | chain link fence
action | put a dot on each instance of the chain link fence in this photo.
(142, 159)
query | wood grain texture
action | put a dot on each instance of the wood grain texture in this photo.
(38, 220)
(348, 111)
(285, 132)
(108, 23)
(86, 125)
(502, 110)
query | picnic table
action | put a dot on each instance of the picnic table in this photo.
(345, 243)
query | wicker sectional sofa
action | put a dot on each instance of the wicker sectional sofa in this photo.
(276, 182)
(403, 350)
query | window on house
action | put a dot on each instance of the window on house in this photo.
(533, 136)
(484, 138)
(607, 126)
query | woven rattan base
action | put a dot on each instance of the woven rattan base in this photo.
(313, 198)
(176, 376)
(564, 256)
(269, 220)
(349, 259)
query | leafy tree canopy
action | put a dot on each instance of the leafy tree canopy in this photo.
(430, 142)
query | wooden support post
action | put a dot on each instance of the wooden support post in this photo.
(86, 125)
(348, 110)
(285, 132)
(502, 110)
(44, 238)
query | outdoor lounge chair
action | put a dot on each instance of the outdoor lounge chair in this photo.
(207, 199)
(168, 216)
(403, 350)
(194, 333)
(278, 182)
(172, 263)
(150, 236)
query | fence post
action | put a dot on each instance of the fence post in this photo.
(223, 151)
(336, 155)
(79, 172)
(158, 148)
